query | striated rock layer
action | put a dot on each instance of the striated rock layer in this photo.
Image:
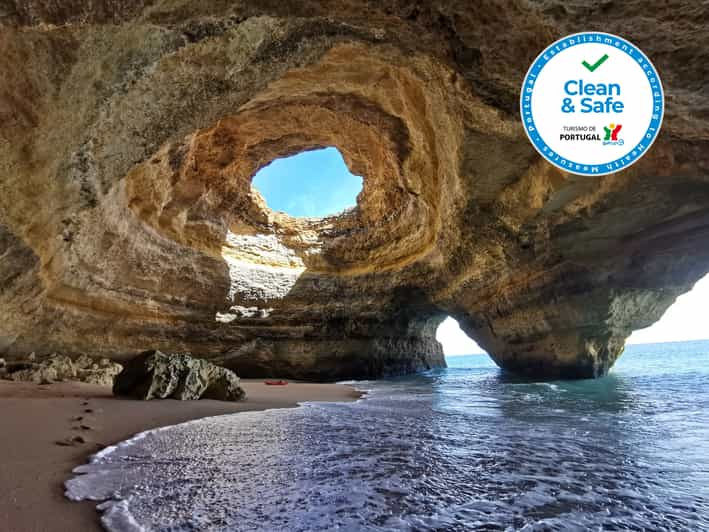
(131, 130)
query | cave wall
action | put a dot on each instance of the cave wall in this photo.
(130, 133)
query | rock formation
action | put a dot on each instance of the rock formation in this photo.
(58, 368)
(155, 375)
(131, 130)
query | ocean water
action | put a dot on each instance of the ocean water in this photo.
(466, 448)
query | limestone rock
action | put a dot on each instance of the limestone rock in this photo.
(130, 134)
(156, 375)
(55, 368)
(96, 371)
(59, 368)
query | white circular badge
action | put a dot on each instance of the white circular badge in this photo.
(592, 103)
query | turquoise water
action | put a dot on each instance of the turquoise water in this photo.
(466, 448)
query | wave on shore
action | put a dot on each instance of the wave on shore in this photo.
(459, 449)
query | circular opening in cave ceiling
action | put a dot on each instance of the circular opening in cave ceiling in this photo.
(311, 184)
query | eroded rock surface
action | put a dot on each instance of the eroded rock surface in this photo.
(131, 130)
(156, 375)
(59, 368)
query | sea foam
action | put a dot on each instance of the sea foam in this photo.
(460, 449)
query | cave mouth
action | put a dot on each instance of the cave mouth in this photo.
(454, 340)
(311, 184)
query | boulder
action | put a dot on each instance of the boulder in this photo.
(55, 368)
(156, 375)
(58, 368)
(93, 371)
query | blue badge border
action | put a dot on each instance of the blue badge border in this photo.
(633, 155)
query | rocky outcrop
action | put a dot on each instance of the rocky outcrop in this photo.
(59, 368)
(131, 130)
(155, 375)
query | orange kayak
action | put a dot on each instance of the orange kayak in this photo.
(276, 383)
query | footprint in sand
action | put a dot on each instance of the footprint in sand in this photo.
(71, 442)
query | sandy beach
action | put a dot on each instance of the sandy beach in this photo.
(34, 466)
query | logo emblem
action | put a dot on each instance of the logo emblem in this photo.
(592, 103)
(611, 135)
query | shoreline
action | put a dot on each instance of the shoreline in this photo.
(33, 466)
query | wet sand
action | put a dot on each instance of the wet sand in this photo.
(33, 466)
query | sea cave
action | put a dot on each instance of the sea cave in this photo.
(131, 134)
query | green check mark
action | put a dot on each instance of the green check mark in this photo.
(595, 65)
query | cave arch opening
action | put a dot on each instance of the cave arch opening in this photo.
(684, 320)
(311, 184)
(455, 341)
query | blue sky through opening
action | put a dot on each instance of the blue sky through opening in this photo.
(313, 183)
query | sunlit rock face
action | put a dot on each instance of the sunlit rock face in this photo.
(131, 131)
